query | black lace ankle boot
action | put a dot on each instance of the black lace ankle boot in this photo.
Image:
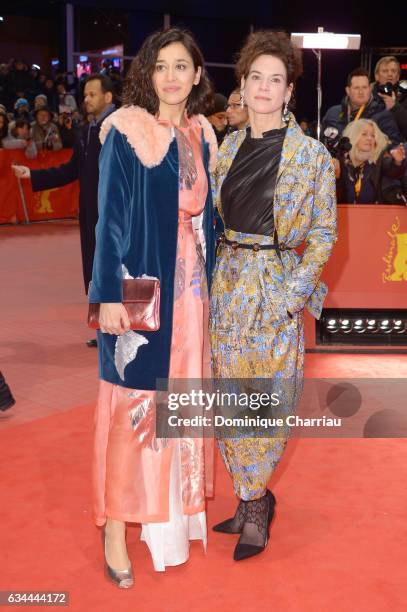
(255, 532)
(234, 524)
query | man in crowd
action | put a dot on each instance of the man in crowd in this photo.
(45, 132)
(83, 165)
(217, 117)
(237, 115)
(361, 103)
(387, 72)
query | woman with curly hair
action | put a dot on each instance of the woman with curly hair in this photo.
(274, 189)
(155, 220)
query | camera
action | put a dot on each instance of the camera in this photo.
(400, 89)
(387, 89)
(337, 146)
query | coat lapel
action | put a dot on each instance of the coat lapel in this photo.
(291, 143)
(231, 145)
(149, 140)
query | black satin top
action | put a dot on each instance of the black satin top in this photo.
(247, 192)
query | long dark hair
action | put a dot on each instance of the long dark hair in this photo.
(138, 87)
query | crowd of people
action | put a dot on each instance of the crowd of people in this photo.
(151, 174)
(38, 111)
(366, 133)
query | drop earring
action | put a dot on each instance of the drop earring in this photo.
(286, 113)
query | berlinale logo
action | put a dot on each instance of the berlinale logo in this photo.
(396, 258)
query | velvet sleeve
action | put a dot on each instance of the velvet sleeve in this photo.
(49, 178)
(114, 202)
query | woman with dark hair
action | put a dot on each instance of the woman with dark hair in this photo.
(155, 220)
(274, 188)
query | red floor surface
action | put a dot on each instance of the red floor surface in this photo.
(338, 541)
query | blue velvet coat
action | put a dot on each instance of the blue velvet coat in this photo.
(138, 227)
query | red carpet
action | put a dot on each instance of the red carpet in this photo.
(338, 539)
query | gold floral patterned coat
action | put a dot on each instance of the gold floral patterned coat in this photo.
(304, 211)
(253, 335)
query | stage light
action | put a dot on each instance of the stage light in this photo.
(329, 40)
(324, 40)
(372, 326)
(332, 326)
(346, 326)
(1, 18)
(385, 326)
(359, 327)
(398, 326)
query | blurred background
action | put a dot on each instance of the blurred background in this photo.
(87, 36)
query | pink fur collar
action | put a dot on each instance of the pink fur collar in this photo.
(148, 138)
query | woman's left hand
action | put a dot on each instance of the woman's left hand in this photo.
(398, 154)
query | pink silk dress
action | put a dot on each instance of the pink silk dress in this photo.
(162, 483)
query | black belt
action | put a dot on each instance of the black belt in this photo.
(253, 247)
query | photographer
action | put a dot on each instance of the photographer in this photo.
(391, 91)
(67, 130)
(360, 103)
(368, 172)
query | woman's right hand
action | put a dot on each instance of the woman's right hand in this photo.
(113, 319)
(22, 172)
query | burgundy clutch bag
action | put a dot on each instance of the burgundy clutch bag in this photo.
(141, 299)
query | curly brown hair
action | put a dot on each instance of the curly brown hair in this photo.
(138, 87)
(269, 42)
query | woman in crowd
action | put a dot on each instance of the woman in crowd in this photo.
(20, 137)
(155, 219)
(369, 172)
(275, 189)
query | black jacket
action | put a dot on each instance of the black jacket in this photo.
(337, 116)
(399, 112)
(384, 177)
(83, 165)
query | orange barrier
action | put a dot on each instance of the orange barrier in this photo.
(368, 266)
(42, 205)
